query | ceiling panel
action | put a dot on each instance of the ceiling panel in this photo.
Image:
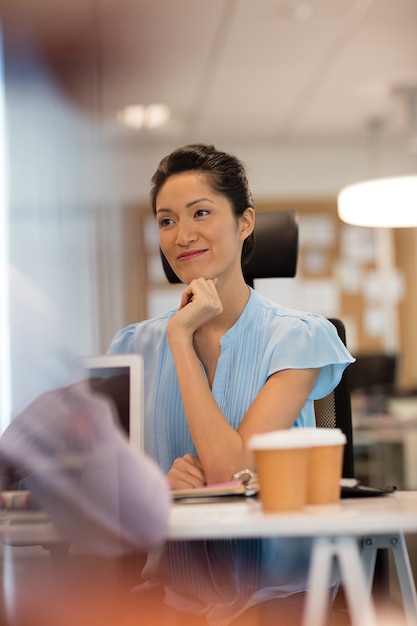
(234, 69)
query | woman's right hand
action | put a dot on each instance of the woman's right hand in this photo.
(200, 303)
(186, 471)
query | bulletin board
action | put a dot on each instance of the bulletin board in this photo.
(337, 273)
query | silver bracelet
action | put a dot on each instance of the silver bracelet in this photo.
(245, 474)
(249, 479)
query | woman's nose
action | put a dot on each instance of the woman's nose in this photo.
(185, 233)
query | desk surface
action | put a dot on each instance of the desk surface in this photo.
(243, 519)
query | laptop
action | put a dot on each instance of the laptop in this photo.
(120, 378)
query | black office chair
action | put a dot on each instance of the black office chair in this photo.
(275, 256)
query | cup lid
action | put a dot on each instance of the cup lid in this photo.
(297, 437)
(325, 436)
(280, 439)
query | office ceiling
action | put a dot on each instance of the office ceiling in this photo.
(257, 70)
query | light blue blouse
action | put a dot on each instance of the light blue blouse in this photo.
(223, 578)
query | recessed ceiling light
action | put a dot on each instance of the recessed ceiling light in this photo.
(144, 116)
(156, 115)
(133, 116)
(298, 9)
(303, 11)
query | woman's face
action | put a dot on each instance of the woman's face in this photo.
(198, 232)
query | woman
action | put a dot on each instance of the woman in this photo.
(227, 364)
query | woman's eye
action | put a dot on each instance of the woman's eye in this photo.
(166, 221)
(201, 212)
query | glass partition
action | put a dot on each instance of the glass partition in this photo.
(4, 295)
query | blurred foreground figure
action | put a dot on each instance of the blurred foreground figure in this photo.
(65, 443)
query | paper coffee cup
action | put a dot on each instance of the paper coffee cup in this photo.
(281, 462)
(325, 461)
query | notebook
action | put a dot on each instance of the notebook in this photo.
(120, 377)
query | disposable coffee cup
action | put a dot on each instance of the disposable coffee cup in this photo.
(281, 463)
(325, 462)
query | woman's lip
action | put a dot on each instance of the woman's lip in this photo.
(191, 254)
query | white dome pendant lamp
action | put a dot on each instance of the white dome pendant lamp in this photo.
(388, 202)
(380, 202)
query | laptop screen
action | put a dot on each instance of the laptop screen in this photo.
(120, 378)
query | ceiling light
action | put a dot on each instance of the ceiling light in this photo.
(133, 116)
(156, 115)
(302, 11)
(297, 9)
(140, 116)
(381, 202)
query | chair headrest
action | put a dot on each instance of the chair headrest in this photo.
(276, 248)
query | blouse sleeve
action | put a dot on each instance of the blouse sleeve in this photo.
(123, 341)
(311, 341)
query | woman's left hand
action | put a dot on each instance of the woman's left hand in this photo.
(186, 471)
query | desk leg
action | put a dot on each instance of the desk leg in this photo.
(346, 551)
(405, 578)
(369, 559)
(395, 542)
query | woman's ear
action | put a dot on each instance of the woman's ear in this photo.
(247, 223)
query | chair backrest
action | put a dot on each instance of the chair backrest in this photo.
(335, 411)
(276, 247)
(275, 256)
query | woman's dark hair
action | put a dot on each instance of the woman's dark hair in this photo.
(224, 172)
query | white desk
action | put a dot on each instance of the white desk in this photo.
(339, 531)
(349, 533)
